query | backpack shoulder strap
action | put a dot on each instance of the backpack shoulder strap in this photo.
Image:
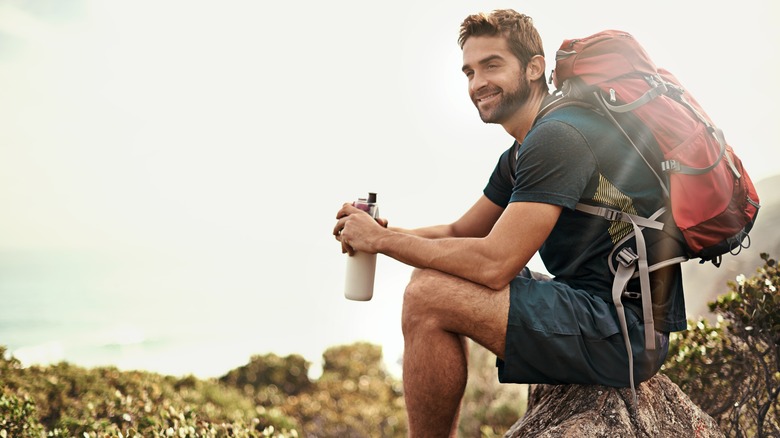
(559, 101)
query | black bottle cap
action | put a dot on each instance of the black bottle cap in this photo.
(372, 198)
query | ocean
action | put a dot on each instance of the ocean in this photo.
(61, 307)
(180, 318)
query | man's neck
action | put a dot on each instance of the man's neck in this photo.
(522, 121)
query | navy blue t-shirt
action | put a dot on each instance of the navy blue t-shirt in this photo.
(575, 155)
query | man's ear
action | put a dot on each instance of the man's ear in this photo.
(535, 68)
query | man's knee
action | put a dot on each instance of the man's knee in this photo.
(420, 298)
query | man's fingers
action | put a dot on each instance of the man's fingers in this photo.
(337, 229)
(346, 210)
(345, 248)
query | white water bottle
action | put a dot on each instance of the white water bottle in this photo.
(361, 266)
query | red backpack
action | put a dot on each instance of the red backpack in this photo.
(713, 201)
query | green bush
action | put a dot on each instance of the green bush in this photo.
(270, 396)
(354, 397)
(732, 369)
(71, 401)
(18, 418)
(288, 374)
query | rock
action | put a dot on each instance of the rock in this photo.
(600, 411)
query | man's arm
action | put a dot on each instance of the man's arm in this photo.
(476, 222)
(492, 261)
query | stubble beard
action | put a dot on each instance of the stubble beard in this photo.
(509, 103)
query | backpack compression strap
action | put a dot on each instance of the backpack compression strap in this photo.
(659, 87)
(631, 264)
(630, 261)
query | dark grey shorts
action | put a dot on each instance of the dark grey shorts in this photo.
(557, 334)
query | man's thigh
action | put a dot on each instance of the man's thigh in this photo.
(460, 306)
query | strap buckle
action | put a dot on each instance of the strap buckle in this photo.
(632, 295)
(670, 166)
(609, 214)
(627, 257)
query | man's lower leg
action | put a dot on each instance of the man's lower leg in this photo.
(434, 375)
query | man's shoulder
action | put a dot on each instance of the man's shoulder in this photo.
(578, 126)
(568, 127)
(573, 112)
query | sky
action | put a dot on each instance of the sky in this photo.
(203, 148)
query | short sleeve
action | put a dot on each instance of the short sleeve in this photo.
(555, 165)
(499, 186)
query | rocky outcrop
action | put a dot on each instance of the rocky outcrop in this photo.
(599, 411)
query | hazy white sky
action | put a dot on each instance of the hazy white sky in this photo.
(225, 135)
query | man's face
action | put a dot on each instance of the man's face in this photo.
(497, 82)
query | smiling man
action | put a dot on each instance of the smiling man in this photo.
(472, 281)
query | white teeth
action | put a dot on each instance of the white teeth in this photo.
(482, 99)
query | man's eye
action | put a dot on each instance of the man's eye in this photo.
(468, 73)
(492, 67)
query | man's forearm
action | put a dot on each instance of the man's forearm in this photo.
(492, 260)
(432, 232)
(468, 258)
(476, 222)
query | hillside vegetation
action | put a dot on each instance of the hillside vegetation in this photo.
(731, 369)
(270, 396)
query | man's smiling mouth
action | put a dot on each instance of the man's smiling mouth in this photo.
(488, 97)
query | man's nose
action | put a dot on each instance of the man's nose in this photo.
(478, 81)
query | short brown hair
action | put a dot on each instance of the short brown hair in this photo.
(523, 39)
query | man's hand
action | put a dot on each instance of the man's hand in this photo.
(356, 230)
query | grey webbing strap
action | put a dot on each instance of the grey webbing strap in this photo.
(652, 93)
(644, 282)
(625, 270)
(718, 134)
(623, 274)
(629, 262)
(661, 181)
(617, 215)
(675, 166)
(658, 88)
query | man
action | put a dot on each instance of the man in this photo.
(467, 285)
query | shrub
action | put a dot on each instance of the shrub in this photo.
(288, 374)
(354, 397)
(270, 396)
(732, 369)
(67, 400)
(18, 418)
